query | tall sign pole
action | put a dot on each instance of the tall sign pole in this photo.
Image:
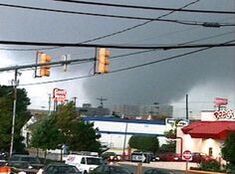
(186, 106)
(187, 156)
(14, 84)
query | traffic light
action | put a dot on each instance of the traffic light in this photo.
(103, 60)
(44, 69)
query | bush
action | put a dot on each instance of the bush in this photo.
(211, 165)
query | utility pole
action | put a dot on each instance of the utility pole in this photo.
(101, 101)
(124, 142)
(49, 104)
(14, 84)
(186, 106)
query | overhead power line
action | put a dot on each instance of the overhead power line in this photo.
(127, 68)
(184, 22)
(192, 41)
(146, 7)
(88, 60)
(114, 33)
(141, 47)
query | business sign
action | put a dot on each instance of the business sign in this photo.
(59, 95)
(225, 114)
(220, 101)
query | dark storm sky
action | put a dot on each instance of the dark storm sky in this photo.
(203, 75)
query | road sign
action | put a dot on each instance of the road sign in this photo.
(138, 157)
(187, 155)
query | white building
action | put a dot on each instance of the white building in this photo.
(116, 132)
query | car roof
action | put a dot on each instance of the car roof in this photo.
(22, 155)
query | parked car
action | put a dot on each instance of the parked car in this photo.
(59, 168)
(3, 160)
(25, 160)
(111, 156)
(110, 169)
(158, 171)
(84, 163)
(199, 157)
(169, 157)
(22, 166)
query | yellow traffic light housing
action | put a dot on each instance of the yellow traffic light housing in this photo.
(103, 60)
(45, 69)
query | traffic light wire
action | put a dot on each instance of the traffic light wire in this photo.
(127, 68)
(114, 33)
(146, 7)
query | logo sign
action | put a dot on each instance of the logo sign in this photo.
(220, 101)
(225, 114)
(59, 95)
(187, 155)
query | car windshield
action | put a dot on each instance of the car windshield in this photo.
(94, 161)
(30, 159)
(19, 164)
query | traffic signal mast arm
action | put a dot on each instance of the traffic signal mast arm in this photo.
(44, 64)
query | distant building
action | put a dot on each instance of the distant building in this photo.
(89, 111)
(143, 110)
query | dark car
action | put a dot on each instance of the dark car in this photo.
(197, 157)
(60, 168)
(200, 157)
(22, 166)
(110, 169)
(158, 171)
(169, 157)
(22, 160)
(111, 156)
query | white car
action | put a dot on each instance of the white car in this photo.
(84, 164)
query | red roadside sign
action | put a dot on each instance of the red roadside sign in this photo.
(187, 155)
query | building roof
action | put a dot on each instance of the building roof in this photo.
(115, 119)
(210, 129)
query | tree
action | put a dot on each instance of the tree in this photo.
(22, 116)
(46, 135)
(144, 143)
(79, 136)
(228, 150)
(169, 147)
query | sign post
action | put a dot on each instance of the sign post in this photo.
(187, 155)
